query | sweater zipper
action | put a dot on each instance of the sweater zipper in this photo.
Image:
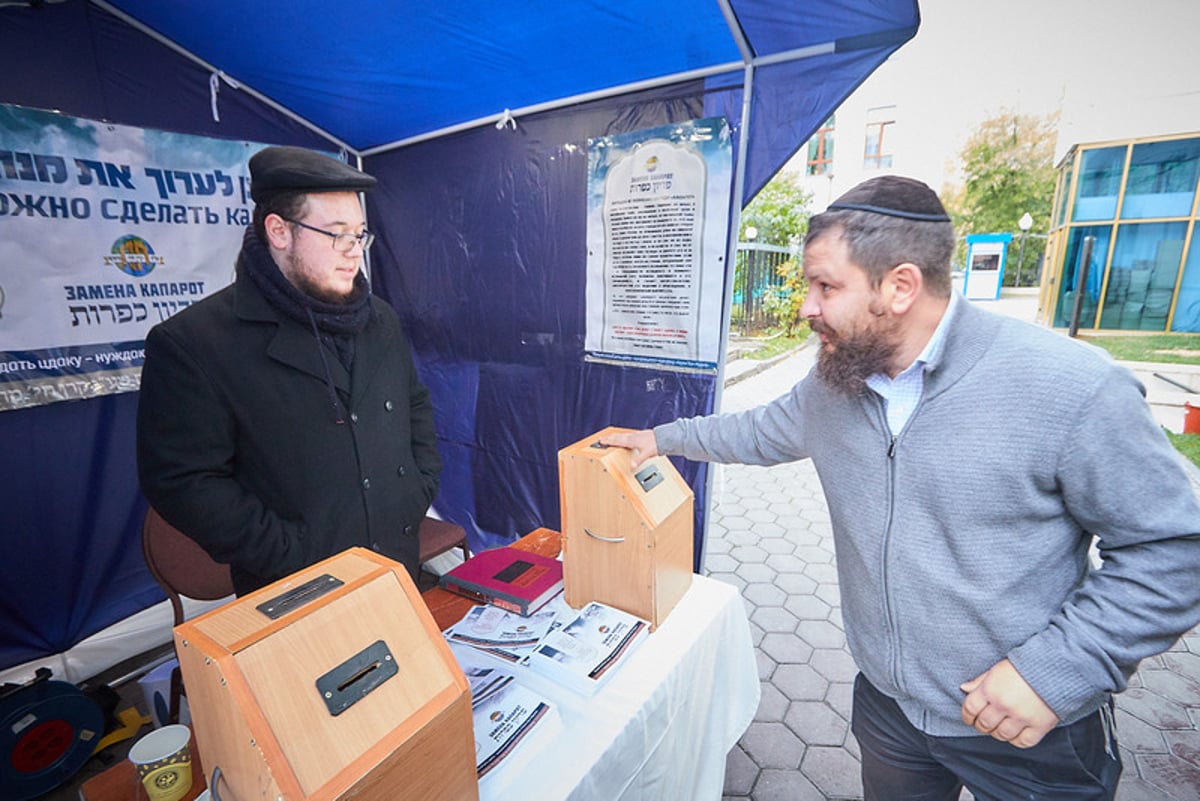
(893, 634)
(893, 628)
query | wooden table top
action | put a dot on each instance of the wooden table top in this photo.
(120, 782)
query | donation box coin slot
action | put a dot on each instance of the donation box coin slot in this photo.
(649, 478)
(297, 597)
(350, 681)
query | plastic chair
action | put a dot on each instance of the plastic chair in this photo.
(183, 569)
(436, 537)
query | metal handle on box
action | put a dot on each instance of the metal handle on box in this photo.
(212, 784)
(602, 539)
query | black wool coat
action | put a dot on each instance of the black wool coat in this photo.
(239, 444)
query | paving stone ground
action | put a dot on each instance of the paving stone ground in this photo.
(769, 535)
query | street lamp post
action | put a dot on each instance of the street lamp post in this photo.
(1025, 223)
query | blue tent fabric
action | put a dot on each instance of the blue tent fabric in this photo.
(482, 231)
(488, 232)
(75, 58)
(396, 71)
(788, 98)
(71, 521)
(72, 564)
(419, 67)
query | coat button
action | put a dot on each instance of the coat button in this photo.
(400, 470)
(388, 406)
(366, 483)
(408, 530)
(353, 417)
(375, 546)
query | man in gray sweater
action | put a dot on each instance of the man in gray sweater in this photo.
(969, 461)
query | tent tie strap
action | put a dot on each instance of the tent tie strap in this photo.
(506, 119)
(214, 86)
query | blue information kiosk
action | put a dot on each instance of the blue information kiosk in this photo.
(986, 255)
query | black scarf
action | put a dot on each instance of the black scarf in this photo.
(339, 322)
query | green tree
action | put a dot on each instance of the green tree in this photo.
(1008, 169)
(779, 215)
(779, 212)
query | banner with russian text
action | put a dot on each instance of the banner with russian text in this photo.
(104, 231)
(658, 220)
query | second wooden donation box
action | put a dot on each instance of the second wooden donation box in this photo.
(333, 683)
(627, 534)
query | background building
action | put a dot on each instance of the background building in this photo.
(866, 136)
(1120, 246)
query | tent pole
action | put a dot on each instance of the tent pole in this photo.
(732, 226)
(735, 218)
(735, 30)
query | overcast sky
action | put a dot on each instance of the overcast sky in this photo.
(1116, 68)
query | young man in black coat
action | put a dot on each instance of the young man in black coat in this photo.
(281, 420)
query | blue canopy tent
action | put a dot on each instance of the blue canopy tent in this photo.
(481, 222)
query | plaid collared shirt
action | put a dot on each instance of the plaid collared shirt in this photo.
(902, 393)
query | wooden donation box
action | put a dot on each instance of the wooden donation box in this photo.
(333, 683)
(627, 535)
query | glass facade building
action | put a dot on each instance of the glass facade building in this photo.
(1121, 252)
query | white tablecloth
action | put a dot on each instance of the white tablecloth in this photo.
(660, 728)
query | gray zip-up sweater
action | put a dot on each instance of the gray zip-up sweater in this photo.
(965, 538)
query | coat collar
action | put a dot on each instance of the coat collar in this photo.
(295, 346)
(968, 336)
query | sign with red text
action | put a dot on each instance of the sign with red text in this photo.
(658, 212)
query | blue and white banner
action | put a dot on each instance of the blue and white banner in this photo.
(104, 231)
(658, 222)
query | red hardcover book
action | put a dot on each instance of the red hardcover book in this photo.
(511, 579)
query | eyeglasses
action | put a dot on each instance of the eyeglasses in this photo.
(342, 243)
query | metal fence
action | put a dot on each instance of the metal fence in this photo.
(755, 276)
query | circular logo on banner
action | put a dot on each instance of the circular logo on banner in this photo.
(133, 255)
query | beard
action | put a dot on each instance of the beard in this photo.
(845, 362)
(301, 277)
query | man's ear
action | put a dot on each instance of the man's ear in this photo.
(901, 287)
(279, 233)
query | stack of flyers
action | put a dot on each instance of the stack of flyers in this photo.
(507, 635)
(485, 681)
(503, 711)
(583, 653)
(502, 721)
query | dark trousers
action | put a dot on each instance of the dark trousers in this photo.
(1079, 762)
